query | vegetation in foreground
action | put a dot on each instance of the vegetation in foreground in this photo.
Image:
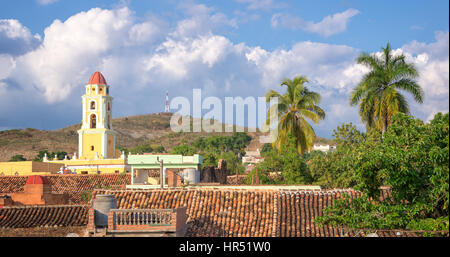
(413, 160)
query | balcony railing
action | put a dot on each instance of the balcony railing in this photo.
(142, 217)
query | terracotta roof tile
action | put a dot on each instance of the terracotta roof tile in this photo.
(74, 185)
(41, 216)
(210, 212)
(232, 212)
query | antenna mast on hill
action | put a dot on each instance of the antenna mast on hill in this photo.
(166, 106)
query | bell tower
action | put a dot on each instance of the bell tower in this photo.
(96, 138)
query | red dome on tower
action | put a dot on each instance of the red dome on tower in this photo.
(97, 78)
(36, 179)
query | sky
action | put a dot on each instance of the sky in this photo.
(50, 48)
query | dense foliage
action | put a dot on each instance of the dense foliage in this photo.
(336, 169)
(413, 160)
(50, 156)
(285, 167)
(229, 148)
(147, 148)
(17, 158)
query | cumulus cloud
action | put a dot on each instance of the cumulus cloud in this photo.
(15, 39)
(141, 60)
(330, 25)
(432, 61)
(201, 20)
(329, 66)
(71, 49)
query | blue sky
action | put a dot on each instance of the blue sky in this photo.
(49, 49)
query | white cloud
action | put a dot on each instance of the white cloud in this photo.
(201, 20)
(141, 60)
(145, 32)
(432, 61)
(176, 57)
(330, 25)
(15, 39)
(71, 49)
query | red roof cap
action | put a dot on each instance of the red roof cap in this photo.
(97, 78)
(36, 179)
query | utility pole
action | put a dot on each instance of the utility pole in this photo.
(161, 172)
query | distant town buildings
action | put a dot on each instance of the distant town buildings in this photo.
(251, 158)
(324, 147)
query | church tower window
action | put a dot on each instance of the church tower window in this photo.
(93, 121)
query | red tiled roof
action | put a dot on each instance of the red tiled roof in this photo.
(41, 216)
(210, 212)
(74, 185)
(239, 212)
(97, 78)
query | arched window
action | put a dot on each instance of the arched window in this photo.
(93, 121)
(92, 148)
(109, 122)
(93, 105)
(109, 106)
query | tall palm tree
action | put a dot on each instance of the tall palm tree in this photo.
(378, 93)
(294, 107)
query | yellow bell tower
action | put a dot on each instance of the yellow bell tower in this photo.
(96, 138)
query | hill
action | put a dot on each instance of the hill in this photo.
(131, 132)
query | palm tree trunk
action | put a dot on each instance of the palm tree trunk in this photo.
(385, 125)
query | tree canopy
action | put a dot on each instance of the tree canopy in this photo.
(379, 92)
(294, 108)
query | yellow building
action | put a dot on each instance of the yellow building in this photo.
(96, 138)
(27, 168)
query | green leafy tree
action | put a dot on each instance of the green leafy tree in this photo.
(40, 156)
(158, 149)
(413, 160)
(17, 158)
(183, 150)
(418, 157)
(266, 148)
(291, 169)
(209, 159)
(234, 164)
(140, 149)
(294, 108)
(379, 92)
(295, 170)
(59, 155)
(273, 162)
(124, 150)
(336, 169)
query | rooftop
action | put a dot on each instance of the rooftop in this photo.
(97, 79)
